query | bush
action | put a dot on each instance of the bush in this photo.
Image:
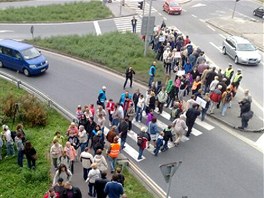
(26, 108)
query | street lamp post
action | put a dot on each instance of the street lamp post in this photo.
(148, 24)
(234, 8)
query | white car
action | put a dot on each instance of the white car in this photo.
(241, 50)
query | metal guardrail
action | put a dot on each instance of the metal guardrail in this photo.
(38, 94)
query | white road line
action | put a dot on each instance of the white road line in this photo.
(6, 31)
(160, 14)
(184, 10)
(221, 35)
(194, 16)
(97, 28)
(132, 152)
(196, 132)
(260, 142)
(202, 20)
(219, 49)
(210, 28)
(165, 18)
(204, 124)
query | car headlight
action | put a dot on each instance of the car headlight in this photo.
(46, 62)
(32, 66)
(244, 59)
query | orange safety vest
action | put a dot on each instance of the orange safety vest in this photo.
(114, 150)
(195, 85)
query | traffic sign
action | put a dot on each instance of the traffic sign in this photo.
(144, 25)
(169, 169)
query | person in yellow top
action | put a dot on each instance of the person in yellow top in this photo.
(113, 153)
(237, 78)
(229, 73)
(59, 138)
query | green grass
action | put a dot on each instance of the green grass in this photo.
(20, 182)
(132, 183)
(115, 50)
(78, 11)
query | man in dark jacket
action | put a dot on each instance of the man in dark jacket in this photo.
(71, 191)
(191, 116)
(209, 78)
(99, 185)
(123, 128)
(129, 75)
(244, 106)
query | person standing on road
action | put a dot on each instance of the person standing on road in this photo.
(179, 126)
(140, 107)
(62, 172)
(215, 98)
(100, 160)
(82, 135)
(55, 152)
(113, 188)
(110, 106)
(86, 159)
(209, 78)
(134, 24)
(99, 185)
(227, 96)
(123, 129)
(130, 114)
(102, 97)
(153, 130)
(152, 73)
(142, 140)
(93, 174)
(167, 136)
(162, 98)
(229, 74)
(237, 78)
(71, 191)
(113, 152)
(159, 143)
(129, 75)
(71, 153)
(135, 98)
(191, 116)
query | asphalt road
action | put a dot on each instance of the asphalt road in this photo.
(215, 163)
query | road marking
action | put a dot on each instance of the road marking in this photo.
(184, 10)
(196, 132)
(160, 14)
(165, 18)
(204, 124)
(194, 16)
(221, 35)
(6, 31)
(198, 5)
(97, 28)
(210, 27)
(202, 20)
(218, 48)
(132, 152)
(260, 142)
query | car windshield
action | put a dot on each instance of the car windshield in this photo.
(245, 47)
(30, 53)
(174, 4)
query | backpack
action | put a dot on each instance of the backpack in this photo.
(139, 141)
(228, 97)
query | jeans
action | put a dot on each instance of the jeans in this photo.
(180, 94)
(10, 148)
(92, 191)
(131, 81)
(156, 150)
(55, 162)
(115, 122)
(151, 79)
(123, 141)
(244, 123)
(203, 113)
(20, 157)
(134, 28)
(112, 163)
(139, 114)
(160, 106)
(224, 108)
(165, 146)
(140, 152)
(83, 146)
(190, 126)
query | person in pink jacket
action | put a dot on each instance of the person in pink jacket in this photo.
(71, 153)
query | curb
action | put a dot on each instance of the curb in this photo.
(261, 130)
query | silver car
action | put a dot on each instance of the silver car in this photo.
(241, 50)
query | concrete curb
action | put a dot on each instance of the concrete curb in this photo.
(261, 130)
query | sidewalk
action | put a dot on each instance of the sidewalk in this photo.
(249, 29)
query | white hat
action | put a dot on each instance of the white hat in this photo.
(5, 127)
(103, 87)
(143, 129)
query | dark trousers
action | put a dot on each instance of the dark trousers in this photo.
(20, 157)
(92, 191)
(131, 81)
(31, 163)
(85, 173)
(55, 162)
(190, 126)
(244, 123)
(72, 166)
(160, 106)
(129, 125)
(134, 28)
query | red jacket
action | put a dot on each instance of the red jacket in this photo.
(110, 106)
(57, 195)
(216, 95)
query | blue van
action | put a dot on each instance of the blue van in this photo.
(22, 57)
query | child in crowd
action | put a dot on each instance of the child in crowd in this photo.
(59, 138)
(121, 177)
(159, 143)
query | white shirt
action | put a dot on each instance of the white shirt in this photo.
(87, 159)
(7, 135)
(82, 136)
(141, 102)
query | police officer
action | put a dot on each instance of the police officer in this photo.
(237, 78)
(229, 73)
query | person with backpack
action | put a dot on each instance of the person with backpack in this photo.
(167, 136)
(175, 111)
(227, 96)
(215, 98)
(142, 140)
(98, 141)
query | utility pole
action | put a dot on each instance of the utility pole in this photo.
(144, 2)
(147, 35)
(234, 8)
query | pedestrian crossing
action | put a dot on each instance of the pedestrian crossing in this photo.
(132, 134)
(123, 24)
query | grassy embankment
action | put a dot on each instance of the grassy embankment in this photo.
(21, 182)
(78, 11)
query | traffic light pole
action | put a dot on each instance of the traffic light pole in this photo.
(144, 2)
(147, 34)
(234, 8)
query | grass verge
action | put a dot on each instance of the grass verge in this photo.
(115, 50)
(21, 182)
(77, 11)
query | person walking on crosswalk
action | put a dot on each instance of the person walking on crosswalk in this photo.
(179, 126)
(191, 116)
(142, 140)
(134, 24)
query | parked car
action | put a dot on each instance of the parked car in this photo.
(172, 7)
(22, 57)
(259, 12)
(241, 50)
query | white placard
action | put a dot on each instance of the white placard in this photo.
(200, 102)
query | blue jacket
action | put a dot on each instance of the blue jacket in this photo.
(123, 97)
(153, 128)
(152, 70)
(187, 67)
(102, 96)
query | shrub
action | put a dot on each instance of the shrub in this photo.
(8, 105)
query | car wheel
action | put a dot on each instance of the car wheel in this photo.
(236, 60)
(26, 72)
(224, 50)
(1, 64)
